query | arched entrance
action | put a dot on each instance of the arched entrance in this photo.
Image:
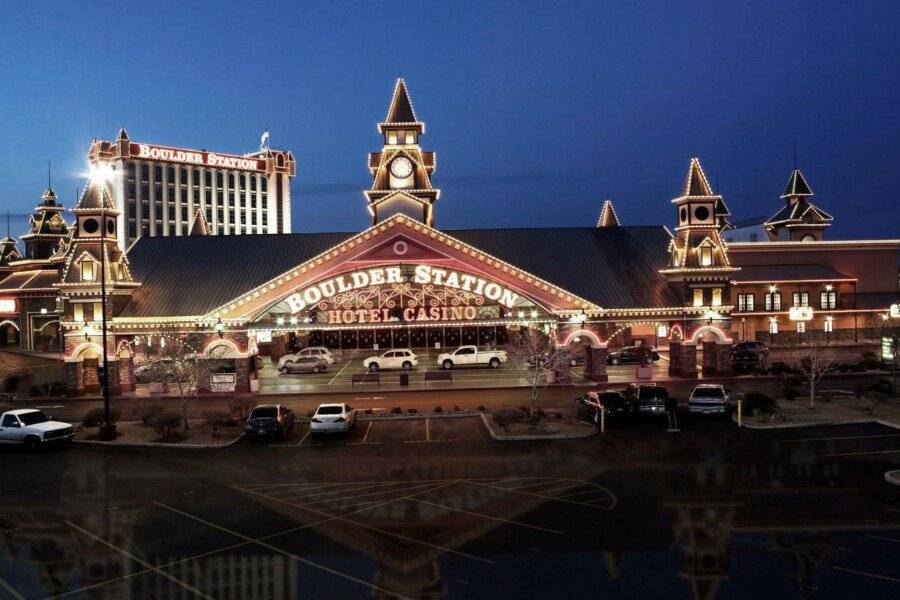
(714, 350)
(9, 334)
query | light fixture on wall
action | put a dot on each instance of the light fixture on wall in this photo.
(219, 327)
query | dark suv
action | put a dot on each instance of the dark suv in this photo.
(588, 407)
(270, 420)
(750, 356)
(648, 398)
(631, 355)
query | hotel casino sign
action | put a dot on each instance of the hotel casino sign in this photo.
(195, 157)
(403, 293)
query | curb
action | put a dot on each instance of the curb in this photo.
(528, 438)
(819, 424)
(161, 445)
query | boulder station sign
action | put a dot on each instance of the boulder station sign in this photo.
(209, 159)
(422, 275)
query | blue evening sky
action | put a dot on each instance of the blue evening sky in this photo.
(537, 110)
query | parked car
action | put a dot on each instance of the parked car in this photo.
(708, 399)
(333, 418)
(631, 355)
(33, 428)
(647, 398)
(750, 355)
(304, 364)
(270, 420)
(471, 356)
(392, 359)
(311, 352)
(615, 405)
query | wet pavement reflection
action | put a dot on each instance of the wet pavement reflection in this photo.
(710, 513)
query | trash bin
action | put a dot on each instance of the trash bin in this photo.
(404, 378)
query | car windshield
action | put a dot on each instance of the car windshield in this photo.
(653, 393)
(264, 412)
(330, 410)
(709, 393)
(33, 417)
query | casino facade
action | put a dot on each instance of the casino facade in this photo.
(405, 283)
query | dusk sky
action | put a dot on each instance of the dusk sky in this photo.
(537, 110)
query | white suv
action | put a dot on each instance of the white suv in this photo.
(311, 352)
(392, 359)
(331, 418)
(708, 399)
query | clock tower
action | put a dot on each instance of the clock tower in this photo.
(402, 171)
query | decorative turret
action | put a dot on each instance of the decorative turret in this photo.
(48, 228)
(199, 226)
(608, 217)
(9, 251)
(402, 171)
(699, 269)
(799, 219)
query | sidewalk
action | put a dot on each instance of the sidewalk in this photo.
(846, 409)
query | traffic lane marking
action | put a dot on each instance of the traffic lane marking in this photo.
(490, 517)
(858, 453)
(847, 437)
(10, 589)
(866, 574)
(306, 561)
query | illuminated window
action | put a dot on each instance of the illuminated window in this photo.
(801, 298)
(717, 297)
(98, 311)
(746, 302)
(78, 312)
(773, 301)
(392, 137)
(698, 297)
(410, 137)
(828, 300)
(801, 326)
(88, 270)
(705, 256)
(829, 324)
(773, 326)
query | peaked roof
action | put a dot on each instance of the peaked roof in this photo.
(608, 217)
(696, 183)
(48, 198)
(8, 250)
(123, 135)
(95, 196)
(199, 226)
(401, 108)
(797, 186)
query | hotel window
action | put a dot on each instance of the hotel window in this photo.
(196, 177)
(253, 201)
(242, 182)
(801, 298)
(158, 229)
(773, 326)
(184, 176)
(829, 324)
(132, 209)
(184, 194)
(717, 297)
(706, 256)
(171, 228)
(392, 137)
(98, 311)
(828, 300)
(184, 215)
(157, 210)
(208, 213)
(746, 302)
(698, 297)
(219, 179)
(78, 312)
(801, 326)
(208, 179)
(157, 176)
(88, 270)
(230, 198)
(410, 137)
(171, 211)
(253, 218)
(130, 171)
(170, 177)
(145, 173)
(252, 184)
(132, 230)
(231, 181)
(773, 301)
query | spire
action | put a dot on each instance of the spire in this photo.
(8, 251)
(401, 108)
(122, 136)
(797, 186)
(696, 184)
(199, 226)
(48, 198)
(608, 217)
(94, 197)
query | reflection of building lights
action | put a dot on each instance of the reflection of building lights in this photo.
(100, 173)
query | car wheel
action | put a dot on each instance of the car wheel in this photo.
(648, 361)
(284, 370)
(32, 442)
(614, 361)
(407, 366)
(494, 363)
(447, 365)
(317, 370)
(373, 367)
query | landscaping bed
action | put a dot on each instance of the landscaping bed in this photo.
(508, 424)
(199, 434)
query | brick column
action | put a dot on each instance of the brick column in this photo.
(675, 351)
(597, 362)
(689, 360)
(112, 375)
(242, 375)
(126, 374)
(723, 359)
(74, 378)
(709, 358)
(91, 382)
(279, 346)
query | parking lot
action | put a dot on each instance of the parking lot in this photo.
(444, 430)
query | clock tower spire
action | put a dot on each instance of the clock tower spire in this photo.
(401, 172)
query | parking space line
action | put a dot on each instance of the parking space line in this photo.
(336, 375)
(358, 487)
(872, 575)
(847, 437)
(427, 430)
(11, 590)
(567, 486)
(484, 516)
(385, 531)
(297, 557)
(884, 539)
(139, 561)
(555, 499)
(354, 497)
(368, 429)
(858, 453)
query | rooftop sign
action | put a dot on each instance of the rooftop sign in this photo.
(196, 157)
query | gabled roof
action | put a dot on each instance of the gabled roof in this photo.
(9, 251)
(199, 226)
(94, 197)
(788, 273)
(695, 183)
(797, 186)
(48, 198)
(400, 109)
(608, 217)
(123, 135)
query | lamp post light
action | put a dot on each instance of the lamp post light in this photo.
(100, 176)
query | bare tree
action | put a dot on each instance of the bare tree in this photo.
(815, 358)
(180, 365)
(548, 362)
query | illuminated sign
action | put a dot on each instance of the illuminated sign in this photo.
(422, 275)
(7, 306)
(895, 311)
(194, 157)
(800, 313)
(264, 336)
(383, 315)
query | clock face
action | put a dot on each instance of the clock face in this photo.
(401, 167)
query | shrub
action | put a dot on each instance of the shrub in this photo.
(396, 410)
(411, 411)
(758, 402)
(790, 387)
(216, 421)
(438, 410)
(240, 407)
(870, 361)
(368, 411)
(147, 410)
(166, 424)
(875, 400)
(507, 415)
(48, 390)
(481, 408)
(883, 386)
(456, 409)
(95, 416)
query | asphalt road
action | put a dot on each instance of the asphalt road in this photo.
(436, 509)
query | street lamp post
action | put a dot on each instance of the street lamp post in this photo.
(108, 429)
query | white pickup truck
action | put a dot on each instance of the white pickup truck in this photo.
(32, 428)
(471, 355)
